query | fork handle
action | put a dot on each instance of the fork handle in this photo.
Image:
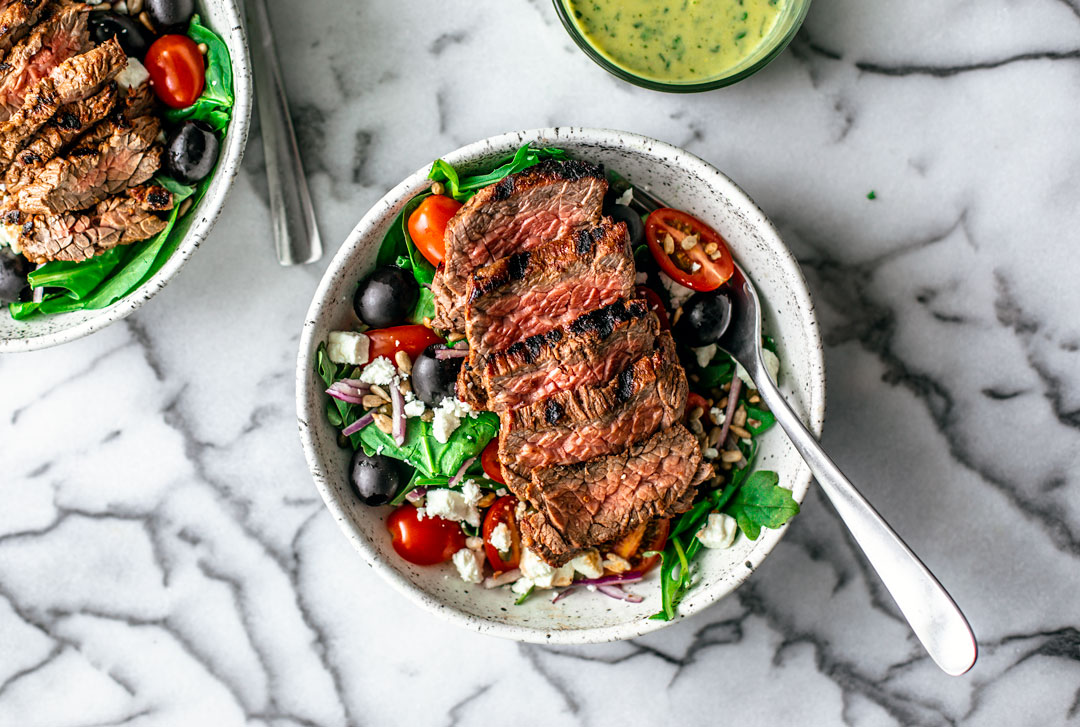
(927, 606)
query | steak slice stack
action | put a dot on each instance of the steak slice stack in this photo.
(581, 505)
(524, 210)
(593, 349)
(17, 17)
(578, 425)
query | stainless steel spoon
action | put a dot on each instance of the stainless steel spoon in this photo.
(927, 606)
(296, 233)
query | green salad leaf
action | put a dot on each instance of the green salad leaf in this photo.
(462, 188)
(761, 502)
(213, 106)
(431, 457)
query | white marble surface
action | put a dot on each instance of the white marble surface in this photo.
(165, 560)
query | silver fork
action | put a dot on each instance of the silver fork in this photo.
(927, 606)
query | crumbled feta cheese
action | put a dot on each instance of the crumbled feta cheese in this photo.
(414, 408)
(521, 586)
(448, 416)
(133, 75)
(719, 531)
(710, 453)
(453, 504)
(543, 575)
(588, 564)
(678, 293)
(500, 538)
(474, 543)
(469, 566)
(501, 492)
(347, 347)
(716, 415)
(705, 354)
(641, 278)
(694, 267)
(772, 366)
(626, 197)
(380, 371)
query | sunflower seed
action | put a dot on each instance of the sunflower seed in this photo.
(383, 423)
(370, 401)
(403, 362)
(380, 392)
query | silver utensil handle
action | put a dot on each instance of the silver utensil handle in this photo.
(931, 612)
(296, 233)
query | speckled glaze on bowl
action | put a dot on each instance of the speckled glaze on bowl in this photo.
(223, 16)
(683, 180)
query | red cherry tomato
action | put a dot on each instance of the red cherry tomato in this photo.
(695, 400)
(427, 226)
(489, 459)
(410, 339)
(680, 265)
(652, 299)
(423, 542)
(650, 537)
(502, 511)
(177, 70)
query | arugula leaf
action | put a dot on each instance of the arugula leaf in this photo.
(716, 374)
(761, 502)
(462, 189)
(212, 107)
(766, 417)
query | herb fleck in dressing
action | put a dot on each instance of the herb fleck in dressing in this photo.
(675, 41)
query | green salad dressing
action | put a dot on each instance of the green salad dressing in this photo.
(675, 41)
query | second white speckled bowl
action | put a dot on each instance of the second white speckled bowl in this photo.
(684, 181)
(223, 16)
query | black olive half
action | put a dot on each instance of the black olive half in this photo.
(191, 152)
(704, 319)
(385, 297)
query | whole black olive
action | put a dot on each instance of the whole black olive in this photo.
(634, 226)
(170, 14)
(132, 36)
(385, 297)
(375, 480)
(704, 319)
(13, 271)
(434, 378)
(191, 152)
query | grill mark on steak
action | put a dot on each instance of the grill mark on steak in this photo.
(520, 212)
(62, 35)
(583, 505)
(596, 421)
(593, 349)
(70, 82)
(553, 412)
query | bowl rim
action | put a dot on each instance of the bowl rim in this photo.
(774, 50)
(310, 405)
(208, 210)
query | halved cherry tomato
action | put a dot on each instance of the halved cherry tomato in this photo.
(695, 400)
(652, 298)
(427, 226)
(502, 511)
(423, 542)
(650, 537)
(680, 265)
(177, 70)
(489, 460)
(410, 339)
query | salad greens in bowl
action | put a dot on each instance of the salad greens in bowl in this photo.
(104, 202)
(424, 474)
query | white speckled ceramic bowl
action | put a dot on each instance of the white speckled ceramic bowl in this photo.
(223, 16)
(684, 181)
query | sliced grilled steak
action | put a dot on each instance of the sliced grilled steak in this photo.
(530, 293)
(578, 425)
(68, 124)
(583, 505)
(139, 101)
(16, 20)
(60, 36)
(71, 81)
(128, 156)
(522, 211)
(152, 197)
(78, 236)
(593, 349)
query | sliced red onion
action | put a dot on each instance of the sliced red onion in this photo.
(355, 383)
(347, 398)
(563, 593)
(397, 401)
(618, 593)
(346, 388)
(502, 579)
(444, 353)
(462, 345)
(39, 294)
(416, 495)
(358, 424)
(628, 577)
(461, 471)
(732, 404)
